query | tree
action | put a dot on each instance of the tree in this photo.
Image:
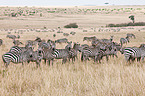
(132, 18)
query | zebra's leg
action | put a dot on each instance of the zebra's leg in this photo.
(45, 61)
(82, 57)
(116, 55)
(28, 62)
(133, 59)
(48, 62)
(64, 60)
(6, 65)
(138, 59)
(142, 59)
(37, 63)
(52, 61)
(107, 57)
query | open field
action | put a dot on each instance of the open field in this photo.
(114, 77)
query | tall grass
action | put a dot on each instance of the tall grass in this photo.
(114, 77)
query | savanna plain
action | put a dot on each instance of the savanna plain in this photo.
(113, 77)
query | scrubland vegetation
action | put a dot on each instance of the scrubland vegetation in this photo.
(115, 77)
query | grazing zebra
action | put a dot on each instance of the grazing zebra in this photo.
(130, 53)
(65, 34)
(73, 33)
(89, 52)
(130, 35)
(89, 38)
(16, 58)
(124, 40)
(17, 42)
(1, 42)
(62, 53)
(38, 39)
(12, 36)
(63, 40)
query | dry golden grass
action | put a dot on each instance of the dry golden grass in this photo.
(114, 77)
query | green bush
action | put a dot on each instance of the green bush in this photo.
(71, 25)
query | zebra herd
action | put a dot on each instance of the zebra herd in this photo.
(47, 51)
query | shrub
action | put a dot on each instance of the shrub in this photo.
(127, 24)
(71, 25)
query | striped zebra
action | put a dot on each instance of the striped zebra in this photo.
(16, 58)
(130, 53)
(89, 53)
(74, 51)
(35, 57)
(124, 40)
(19, 50)
(46, 49)
(17, 42)
(89, 38)
(130, 35)
(63, 40)
(62, 53)
(47, 54)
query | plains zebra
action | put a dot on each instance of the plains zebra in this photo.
(89, 52)
(74, 51)
(16, 58)
(130, 35)
(124, 40)
(19, 50)
(130, 53)
(17, 42)
(89, 38)
(65, 34)
(63, 40)
(62, 53)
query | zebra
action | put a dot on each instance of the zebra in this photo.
(130, 35)
(73, 33)
(47, 54)
(124, 40)
(47, 51)
(89, 38)
(17, 42)
(89, 52)
(1, 42)
(62, 53)
(130, 53)
(19, 50)
(74, 51)
(16, 58)
(35, 57)
(12, 36)
(63, 40)
(38, 39)
(31, 42)
(65, 34)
